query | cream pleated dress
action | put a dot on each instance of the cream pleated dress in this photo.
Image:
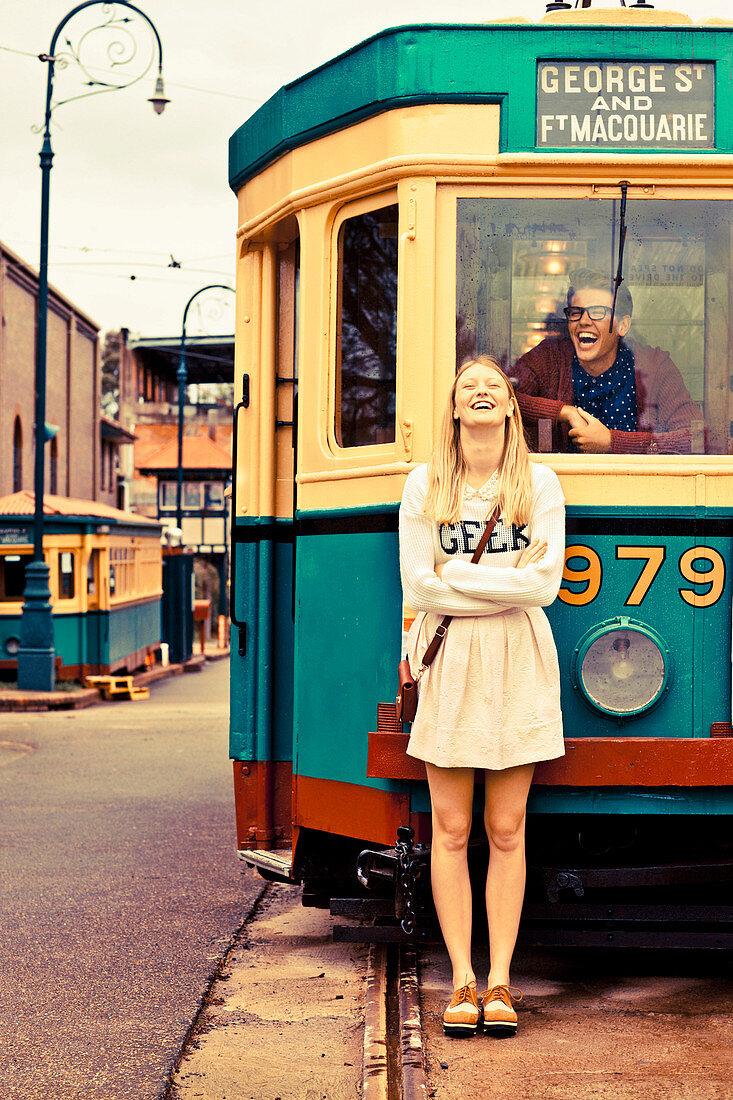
(491, 697)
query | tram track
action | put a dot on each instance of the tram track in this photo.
(394, 1063)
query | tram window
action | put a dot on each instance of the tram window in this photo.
(66, 575)
(517, 259)
(12, 576)
(367, 329)
(121, 570)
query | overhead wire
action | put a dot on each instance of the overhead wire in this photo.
(169, 83)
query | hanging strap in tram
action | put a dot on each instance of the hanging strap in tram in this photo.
(621, 241)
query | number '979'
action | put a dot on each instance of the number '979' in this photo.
(707, 582)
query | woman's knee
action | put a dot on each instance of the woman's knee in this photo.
(505, 834)
(451, 833)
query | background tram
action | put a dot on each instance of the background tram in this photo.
(105, 580)
(426, 195)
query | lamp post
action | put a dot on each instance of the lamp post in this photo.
(177, 582)
(36, 658)
(182, 378)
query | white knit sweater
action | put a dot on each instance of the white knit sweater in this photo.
(485, 589)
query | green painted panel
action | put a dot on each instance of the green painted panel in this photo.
(616, 800)
(348, 636)
(98, 637)
(261, 683)
(243, 667)
(283, 642)
(132, 627)
(9, 628)
(69, 638)
(467, 64)
(628, 800)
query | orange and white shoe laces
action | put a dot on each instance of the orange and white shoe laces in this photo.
(462, 1014)
(498, 1012)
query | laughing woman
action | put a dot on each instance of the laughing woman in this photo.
(491, 697)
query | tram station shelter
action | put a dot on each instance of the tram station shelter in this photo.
(148, 398)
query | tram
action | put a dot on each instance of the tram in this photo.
(105, 581)
(426, 196)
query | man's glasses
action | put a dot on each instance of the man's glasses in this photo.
(596, 313)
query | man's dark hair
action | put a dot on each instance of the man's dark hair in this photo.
(585, 279)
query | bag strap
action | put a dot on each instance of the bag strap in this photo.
(434, 646)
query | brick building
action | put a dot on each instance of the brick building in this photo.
(82, 458)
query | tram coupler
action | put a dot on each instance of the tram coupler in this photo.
(403, 867)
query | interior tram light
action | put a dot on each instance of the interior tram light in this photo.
(622, 667)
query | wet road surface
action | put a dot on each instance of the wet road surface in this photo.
(120, 888)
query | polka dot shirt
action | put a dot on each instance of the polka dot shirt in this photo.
(611, 397)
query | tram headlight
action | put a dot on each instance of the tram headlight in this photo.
(622, 667)
(12, 645)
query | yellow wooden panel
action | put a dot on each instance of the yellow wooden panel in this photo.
(367, 156)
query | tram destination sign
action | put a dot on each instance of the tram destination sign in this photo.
(14, 536)
(625, 105)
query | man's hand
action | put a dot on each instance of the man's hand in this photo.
(572, 416)
(587, 432)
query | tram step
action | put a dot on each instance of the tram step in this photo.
(362, 907)
(641, 935)
(272, 866)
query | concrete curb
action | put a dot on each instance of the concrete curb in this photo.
(217, 654)
(48, 700)
(85, 697)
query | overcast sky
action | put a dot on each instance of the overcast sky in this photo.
(129, 189)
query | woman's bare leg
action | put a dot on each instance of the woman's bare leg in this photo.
(506, 808)
(451, 795)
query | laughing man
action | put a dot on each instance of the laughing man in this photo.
(604, 394)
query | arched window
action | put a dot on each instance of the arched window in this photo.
(17, 456)
(53, 478)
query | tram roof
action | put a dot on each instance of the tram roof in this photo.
(448, 63)
(21, 505)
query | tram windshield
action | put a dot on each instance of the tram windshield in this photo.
(660, 380)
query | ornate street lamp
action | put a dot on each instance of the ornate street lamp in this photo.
(36, 665)
(182, 377)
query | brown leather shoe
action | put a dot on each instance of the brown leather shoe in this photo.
(499, 1018)
(462, 1015)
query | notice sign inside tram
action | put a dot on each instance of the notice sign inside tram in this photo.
(625, 105)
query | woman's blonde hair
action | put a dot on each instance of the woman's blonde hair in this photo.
(447, 469)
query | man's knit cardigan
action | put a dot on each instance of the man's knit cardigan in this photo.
(665, 409)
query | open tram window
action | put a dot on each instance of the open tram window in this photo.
(12, 576)
(366, 338)
(664, 386)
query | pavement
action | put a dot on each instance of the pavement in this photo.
(12, 699)
(120, 889)
(285, 1018)
(612, 1023)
